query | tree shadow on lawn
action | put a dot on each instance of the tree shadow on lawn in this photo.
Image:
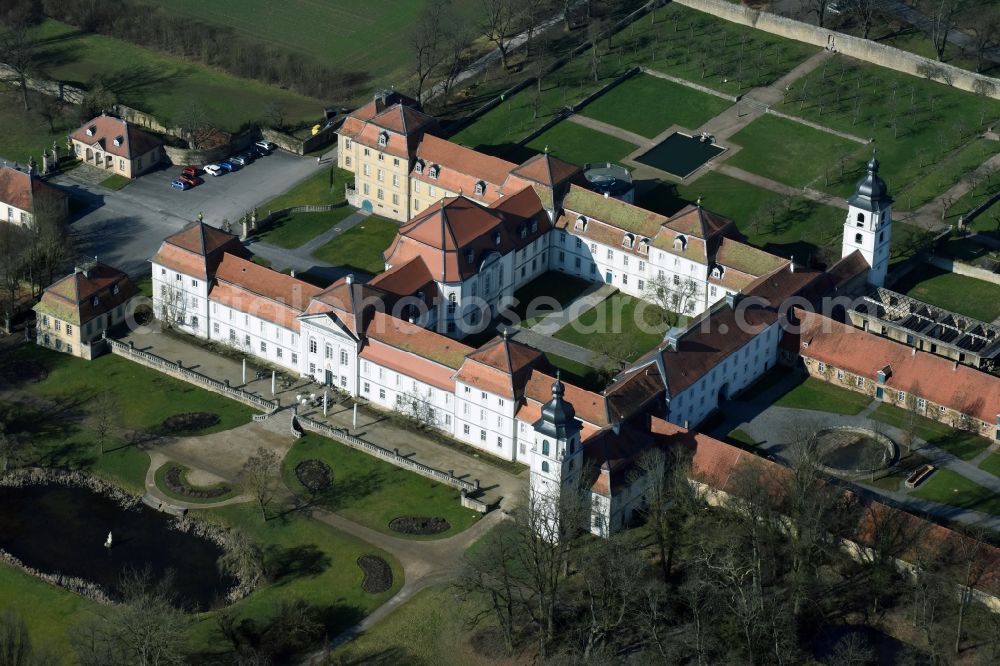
(509, 151)
(284, 565)
(388, 657)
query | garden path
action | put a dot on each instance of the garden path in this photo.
(611, 130)
(931, 215)
(589, 299)
(551, 345)
(781, 188)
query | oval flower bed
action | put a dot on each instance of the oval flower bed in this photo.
(172, 478)
(378, 574)
(419, 525)
(314, 475)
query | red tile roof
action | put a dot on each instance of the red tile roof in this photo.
(409, 365)
(546, 170)
(501, 366)
(244, 300)
(589, 406)
(72, 298)
(19, 189)
(265, 282)
(106, 130)
(416, 340)
(934, 378)
(461, 168)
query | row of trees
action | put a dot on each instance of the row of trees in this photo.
(758, 582)
(32, 257)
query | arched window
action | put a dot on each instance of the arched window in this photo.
(419, 168)
(383, 138)
(545, 447)
(628, 240)
(680, 243)
(434, 171)
(545, 466)
(480, 188)
(312, 345)
(857, 238)
(861, 219)
(644, 246)
(581, 223)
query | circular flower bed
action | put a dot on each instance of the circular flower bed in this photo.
(378, 574)
(419, 525)
(177, 483)
(315, 475)
(189, 421)
(26, 371)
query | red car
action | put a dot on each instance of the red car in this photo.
(190, 180)
(190, 171)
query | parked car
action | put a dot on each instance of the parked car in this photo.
(838, 7)
(257, 151)
(180, 185)
(229, 166)
(191, 181)
(239, 160)
(214, 170)
(266, 146)
(191, 171)
(249, 155)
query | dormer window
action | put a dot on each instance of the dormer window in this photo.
(434, 171)
(628, 240)
(644, 246)
(480, 188)
(419, 168)
(92, 130)
(119, 140)
(383, 138)
(680, 243)
(581, 223)
(718, 272)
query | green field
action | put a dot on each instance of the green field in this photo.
(163, 85)
(820, 396)
(974, 298)
(25, 134)
(681, 41)
(918, 125)
(297, 229)
(580, 145)
(648, 105)
(621, 324)
(947, 487)
(372, 492)
(369, 38)
(324, 187)
(554, 288)
(361, 246)
(787, 152)
(991, 464)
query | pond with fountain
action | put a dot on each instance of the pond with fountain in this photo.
(64, 530)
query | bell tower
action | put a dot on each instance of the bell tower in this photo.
(868, 227)
(557, 457)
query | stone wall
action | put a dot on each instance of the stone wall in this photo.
(182, 156)
(855, 47)
(301, 146)
(177, 371)
(962, 268)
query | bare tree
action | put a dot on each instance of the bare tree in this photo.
(968, 552)
(817, 7)
(672, 293)
(104, 410)
(19, 51)
(944, 16)
(498, 18)
(489, 571)
(670, 500)
(260, 474)
(454, 44)
(864, 12)
(416, 408)
(986, 33)
(612, 577)
(243, 559)
(192, 119)
(427, 41)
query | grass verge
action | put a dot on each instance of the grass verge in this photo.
(817, 395)
(361, 246)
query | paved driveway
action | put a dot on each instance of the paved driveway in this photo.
(125, 228)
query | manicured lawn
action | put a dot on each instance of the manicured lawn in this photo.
(326, 186)
(790, 153)
(648, 105)
(961, 444)
(679, 41)
(946, 172)
(430, 628)
(947, 487)
(577, 373)
(373, 492)
(361, 246)
(965, 295)
(25, 134)
(161, 483)
(163, 85)
(144, 398)
(540, 296)
(820, 396)
(991, 464)
(115, 182)
(297, 229)
(621, 324)
(904, 468)
(917, 124)
(580, 145)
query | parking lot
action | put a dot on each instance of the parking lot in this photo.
(125, 228)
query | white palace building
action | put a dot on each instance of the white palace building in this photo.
(395, 340)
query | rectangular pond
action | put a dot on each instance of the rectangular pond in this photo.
(679, 154)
